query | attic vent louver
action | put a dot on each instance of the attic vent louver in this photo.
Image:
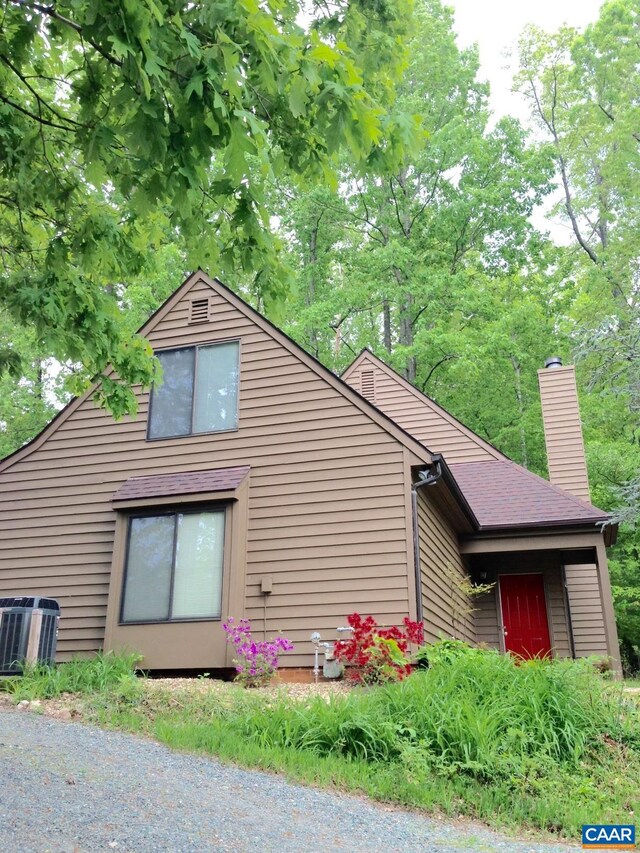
(368, 385)
(199, 311)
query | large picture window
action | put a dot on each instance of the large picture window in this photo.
(199, 391)
(174, 567)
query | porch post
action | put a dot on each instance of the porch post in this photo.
(607, 608)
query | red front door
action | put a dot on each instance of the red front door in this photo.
(524, 615)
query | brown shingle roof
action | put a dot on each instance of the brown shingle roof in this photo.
(503, 494)
(189, 483)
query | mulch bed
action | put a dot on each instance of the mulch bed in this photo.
(70, 706)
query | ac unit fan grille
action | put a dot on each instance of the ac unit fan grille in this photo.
(11, 641)
(47, 644)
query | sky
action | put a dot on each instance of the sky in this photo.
(496, 25)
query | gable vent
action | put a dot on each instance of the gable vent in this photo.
(368, 385)
(199, 311)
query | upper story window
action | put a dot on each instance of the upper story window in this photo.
(199, 392)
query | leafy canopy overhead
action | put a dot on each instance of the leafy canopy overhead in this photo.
(128, 123)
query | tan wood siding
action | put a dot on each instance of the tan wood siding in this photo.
(487, 617)
(419, 416)
(583, 590)
(445, 607)
(563, 430)
(326, 504)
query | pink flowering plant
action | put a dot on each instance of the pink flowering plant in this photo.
(256, 660)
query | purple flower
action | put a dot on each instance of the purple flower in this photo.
(256, 660)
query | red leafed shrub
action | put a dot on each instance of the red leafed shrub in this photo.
(375, 655)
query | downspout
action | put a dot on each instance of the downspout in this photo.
(567, 607)
(427, 478)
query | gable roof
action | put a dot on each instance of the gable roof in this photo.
(500, 493)
(390, 426)
(503, 494)
(367, 356)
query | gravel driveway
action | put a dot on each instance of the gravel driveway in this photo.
(69, 788)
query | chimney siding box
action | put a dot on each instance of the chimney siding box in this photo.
(563, 430)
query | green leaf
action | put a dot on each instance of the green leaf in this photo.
(298, 96)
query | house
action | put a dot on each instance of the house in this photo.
(254, 482)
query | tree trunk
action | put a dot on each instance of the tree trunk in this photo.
(312, 283)
(523, 438)
(405, 330)
(39, 384)
(386, 325)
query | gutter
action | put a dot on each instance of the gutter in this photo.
(427, 478)
(456, 491)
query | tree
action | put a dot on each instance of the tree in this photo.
(583, 91)
(124, 125)
(434, 264)
(27, 389)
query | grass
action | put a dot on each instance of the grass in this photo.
(544, 746)
(103, 673)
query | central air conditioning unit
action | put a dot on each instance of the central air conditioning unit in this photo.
(28, 632)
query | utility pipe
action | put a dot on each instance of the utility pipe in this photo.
(427, 478)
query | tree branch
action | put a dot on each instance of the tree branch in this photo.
(434, 368)
(50, 12)
(33, 116)
(41, 101)
(395, 204)
(563, 174)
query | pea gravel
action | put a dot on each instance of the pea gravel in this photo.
(70, 788)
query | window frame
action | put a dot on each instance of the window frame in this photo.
(195, 347)
(175, 510)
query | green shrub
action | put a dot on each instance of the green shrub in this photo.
(444, 651)
(473, 711)
(103, 672)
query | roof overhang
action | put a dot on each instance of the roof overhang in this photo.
(449, 494)
(531, 539)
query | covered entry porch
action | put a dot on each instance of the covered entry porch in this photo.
(550, 596)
